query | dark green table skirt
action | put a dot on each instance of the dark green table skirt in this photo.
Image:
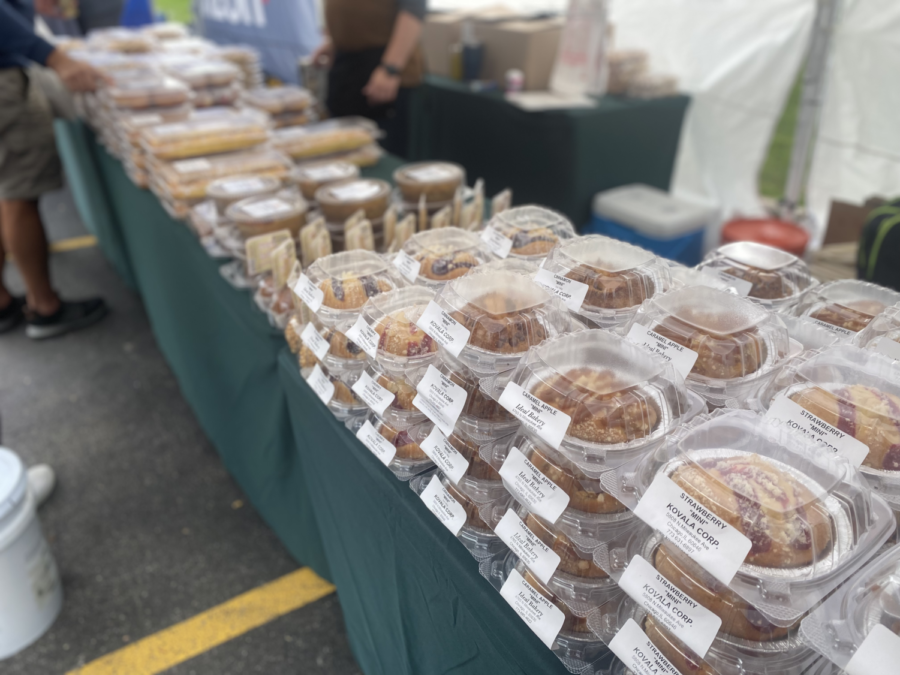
(557, 158)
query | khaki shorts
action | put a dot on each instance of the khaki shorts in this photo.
(29, 165)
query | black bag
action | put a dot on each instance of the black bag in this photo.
(879, 247)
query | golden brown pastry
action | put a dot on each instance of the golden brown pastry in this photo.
(767, 285)
(407, 448)
(403, 392)
(679, 655)
(473, 516)
(445, 266)
(536, 241)
(306, 358)
(351, 291)
(852, 316)
(343, 393)
(342, 346)
(292, 335)
(719, 356)
(401, 336)
(572, 623)
(584, 494)
(610, 290)
(478, 404)
(869, 415)
(478, 467)
(498, 324)
(570, 561)
(786, 524)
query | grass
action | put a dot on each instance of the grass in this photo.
(175, 10)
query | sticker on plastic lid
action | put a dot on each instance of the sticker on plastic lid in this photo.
(146, 120)
(372, 394)
(243, 186)
(889, 348)
(192, 165)
(834, 329)
(308, 293)
(327, 172)
(430, 174)
(442, 504)
(800, 419)
(499, 244)
(570, 291)
(879, 653)
(364, 337)
(686, 619)
(541, 615)
(447, 458)
(443, 328)
(638, 653)
(439, 399)
(377, 444)
(532, 488)
(318, 345)
(678, 355)
(409, 267)
(356, 191)
(715, 545)
(742, 286)
(320, 384)
(538, 417)
(537, 556)
(267, 208)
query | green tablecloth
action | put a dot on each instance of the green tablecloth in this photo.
(557, 158)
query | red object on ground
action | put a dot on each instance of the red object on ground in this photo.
(778, 233)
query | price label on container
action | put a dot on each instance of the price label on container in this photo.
(443, 328)
(318, 345)
(320, 384)
(431, 174)
(686, 619)
(715, 545)
(441, 400)
(570, 291)
(638, 653)
(372, 394)
(311, 296)
(889, 348)
(267, 208)
(444, 455)
(146, 120)
(192, 165)
(879, 653)
(409, 267)
(834, 440)
(678, 355)
(843, 332)
(356, 191)
(499, 244)
(537, 556)
(442, 504)
(364, 337)
(323, 173)
(539, 417)
(238, 186)
(379, 446)
(543, 617)
(742, 286)
(531, 487)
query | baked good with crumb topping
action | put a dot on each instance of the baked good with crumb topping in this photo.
(351, 291)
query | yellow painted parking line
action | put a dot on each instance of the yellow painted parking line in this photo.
(73, 244)
(199, 634)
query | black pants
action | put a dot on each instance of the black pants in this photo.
(349, 74)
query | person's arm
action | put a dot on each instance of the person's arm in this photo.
(17, 37)
(385, 80)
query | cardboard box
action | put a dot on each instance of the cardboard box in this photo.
(529, 45)
(846, 220)
(442, 30)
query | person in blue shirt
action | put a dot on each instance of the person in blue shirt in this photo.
(30, 167)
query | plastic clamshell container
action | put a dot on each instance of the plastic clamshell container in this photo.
(811, 519)
(277, 100)
(348, 279)
(618, 276)
(342, 353)
(882, 335)
(208, 97)
(344, 403)
(152, 90)
(470, 447)
(778, 279)
(868, 601)
(202, 170)
(197, 74)
(409, 459)
(267, 213)
(340, 200)
(310, 176)
(739, 344)
(341, 134)
(690, 276)
(846, 306)
(505, 313)
(438, 181)
(133, 122)
(402, 346)
(230, 189)
(807, 333)
(401, 410)
(205, 135)
(445, 254)
(533, 230)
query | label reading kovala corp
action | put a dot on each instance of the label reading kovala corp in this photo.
(686, 619)
(311, 296)
(441, 400)
(409, 267)
(531, 487)
(539, 417)
(638, 653)
(537, 556)
(443, 328)
(541, 615)
(570, 291)
(442, 504)
(316, 343)
(377, 444)
(372, 394)
(679, 356)
(320, 384)
(499, 244)
(364, 337)
(715, 545)
(742, 286)
(444, 455)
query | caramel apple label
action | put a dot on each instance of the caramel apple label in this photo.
(638, 653)
(499, 244)
(541, 615)
(372, 394)
(879, 654)
(306, 290)
(444, 455)
(364, 337)
(682, 616)
(442, 504)
(532, 488)
(678, 355)
(538, 417)
(571, 292)
(712, 543)
(320, 384)
(408, 266)
(537, 556)
(439, 399)
(443, 328)
(377, 444)
(315, 343)
(843, 332)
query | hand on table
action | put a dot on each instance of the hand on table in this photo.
(324, 53)
(77, 76)
(382, 87)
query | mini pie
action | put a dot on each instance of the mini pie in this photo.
(853, 316)
(678, 654)
(473, 516)
(342, 346)
(572, 623)
(445, 266)
(720, 357)
(407, 448)
(292, 335)
(478, 467)
(767, 285)
(351, 291)
(343, 393)
(497, 324)
(438, 181)
(611, 290)
(866, 413)
(786, 524)
(306, 358)
(537, 241)
(403, 392)
(570, 561)
(399, 335)
(478, 404)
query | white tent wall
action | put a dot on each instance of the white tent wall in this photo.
(857, 152)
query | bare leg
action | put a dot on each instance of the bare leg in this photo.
(23, 235)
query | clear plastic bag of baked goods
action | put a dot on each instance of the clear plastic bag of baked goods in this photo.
(457, 507)
(209, 97)
(337, 286)
(276, 100)
(230, 189)
(882, 335)
(340, 200)
(206, 135)
(437, 181)
(268, 213)
(848, 401)
(147, 91)
(773, 278)
(528, 232)
(198, 74)
(341, 134)
(858, 628)
(595, 398)
(310, 176)
(202, 170)
(847, 306)
(725, 346)
(759, 507)
(559, 611)
(604, 280)
(392, 444)
(434, 257)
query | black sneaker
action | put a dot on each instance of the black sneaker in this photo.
(12, 314)
(70, 316)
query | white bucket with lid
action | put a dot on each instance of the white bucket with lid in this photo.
(30, 591)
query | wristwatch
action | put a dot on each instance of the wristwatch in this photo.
(393, 71)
